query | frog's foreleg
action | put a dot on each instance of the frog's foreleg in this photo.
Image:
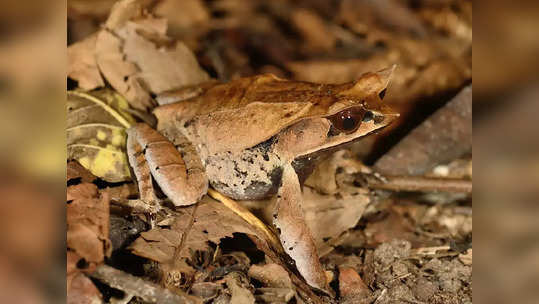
(293, 231)
(181, 176)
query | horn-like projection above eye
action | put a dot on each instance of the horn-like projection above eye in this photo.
(347, 120)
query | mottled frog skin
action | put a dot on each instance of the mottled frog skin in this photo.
(254, 138)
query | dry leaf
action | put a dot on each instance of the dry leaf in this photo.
(329, 216)
(352, 288)
(323, 178)
(271, 275)
(193, 228)
(314, 30)
(80, 288)
(277, 282)
(240, 294)
(88, 222)
(76, 172)
(137, 58)
(96, 136)
(206, 290)
(194, 15)
(82, 66)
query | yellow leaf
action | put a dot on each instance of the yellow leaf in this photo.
(96, 134)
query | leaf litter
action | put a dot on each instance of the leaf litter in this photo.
(367, 240)
(96, 138)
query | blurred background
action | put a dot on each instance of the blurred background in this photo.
(324, 41)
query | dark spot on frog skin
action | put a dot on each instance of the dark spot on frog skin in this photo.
(266, 157)
(378, 119)
(287, 114)
(290, 248)
(188, 123)
(239, 173)
(205, 231)
(279, 230)
(382, 93)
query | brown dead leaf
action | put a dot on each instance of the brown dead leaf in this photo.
(323, 178)
(137, 58)
(82, 65)
(328, 216)
(394, 226)
(352, 288)
(193, 228)
(194, 15)
(278, 286)
(369, 17)
(237, 286)
(88, 222)
(75, 171)
(314, 30)
(206, 290)
(271, 275)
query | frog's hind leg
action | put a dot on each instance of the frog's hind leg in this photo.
(148, 201)
(181, 176)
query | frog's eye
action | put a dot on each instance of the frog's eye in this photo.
(347, 120)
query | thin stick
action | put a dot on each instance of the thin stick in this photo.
(132, 285)
(421, 184)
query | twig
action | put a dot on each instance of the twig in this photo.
(421, 184)
(130, 284)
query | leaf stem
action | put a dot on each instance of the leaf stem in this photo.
(102, 104)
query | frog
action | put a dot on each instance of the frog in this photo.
(253, 138)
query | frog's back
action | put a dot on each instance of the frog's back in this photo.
(247, 111)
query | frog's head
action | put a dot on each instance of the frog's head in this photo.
(356, 110)
(359, 109)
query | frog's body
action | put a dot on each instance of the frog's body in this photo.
(253, 138)
(253, 173)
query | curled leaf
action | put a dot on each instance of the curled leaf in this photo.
(96, 136)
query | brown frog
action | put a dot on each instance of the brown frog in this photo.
(253, 138)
